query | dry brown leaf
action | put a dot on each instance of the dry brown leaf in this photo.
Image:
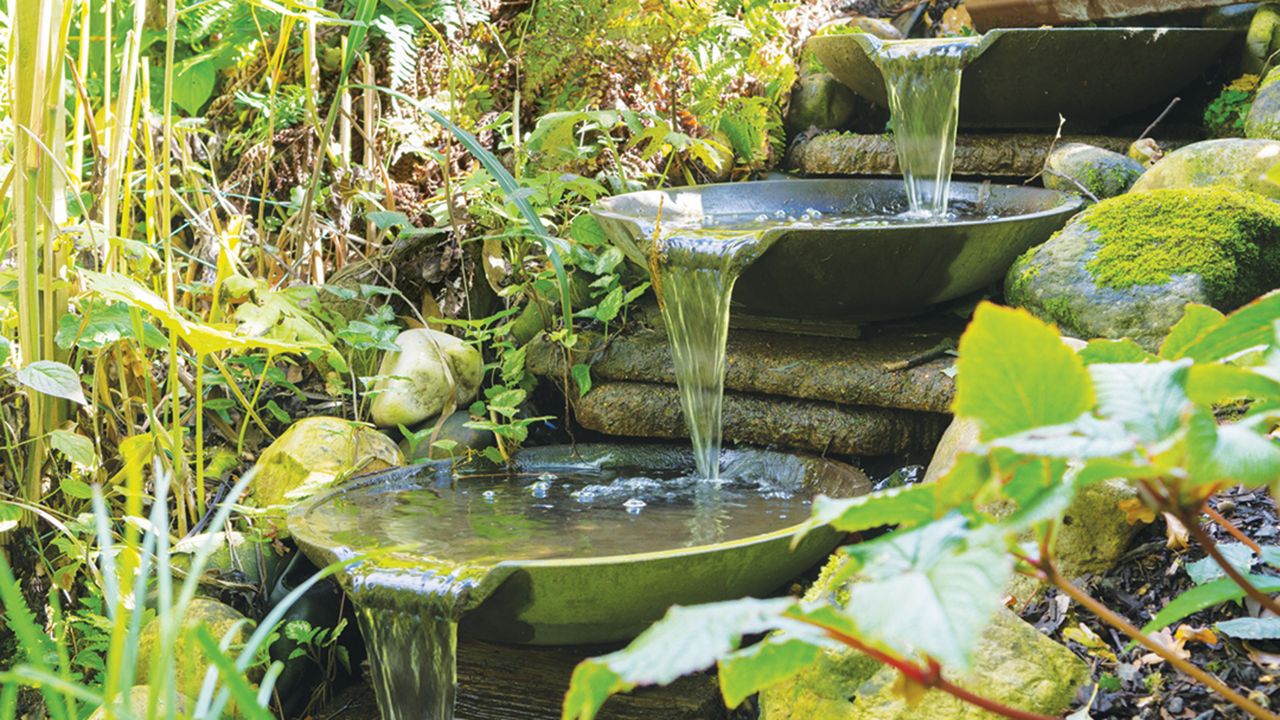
(1172, 644)
(1176, 535)
(955, 21)
(1186, 633)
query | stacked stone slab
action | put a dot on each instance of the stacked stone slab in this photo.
(887, 392)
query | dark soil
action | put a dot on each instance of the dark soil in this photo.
(1129, 683)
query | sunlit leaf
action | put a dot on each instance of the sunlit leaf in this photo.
(771, 661)
(1148, 399)
(1015, 374)
(53, 378)
(1205, 596)
(1197, 320)
(75, 447)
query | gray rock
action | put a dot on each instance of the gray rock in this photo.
(819, 101)
(1263, 121)
(454, 430)
(189, 662)
(1076, 167)
(1231, 17)
(432, 370)
(1128, 266)
(1013, 664)
(1235, 162)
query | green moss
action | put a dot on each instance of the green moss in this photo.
(1025, 269)
(1225, 236)
(1107, 178)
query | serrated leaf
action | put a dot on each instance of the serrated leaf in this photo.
(1085, 437)
(1114, 351)
(53, 378)
(771, 661)
(1148, 399)
(1197, 320)
(1249, 327)
(75, 447)
(1251, 628)
(686, 640)
(1205, 570)
(910, 505)
(1015, 374)
(954, 578)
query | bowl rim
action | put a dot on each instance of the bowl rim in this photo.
(1067, 202)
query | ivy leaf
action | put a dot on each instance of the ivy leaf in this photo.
(1016, 374)
(686, 640)
(1147, 398)
(1205, 570)
(771, 661)
(1251, 628)
(954, 578)
(53, 378)
(75, 447)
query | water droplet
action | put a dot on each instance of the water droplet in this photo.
(780, 214)
(762, 218)
(539, 489)
(489, 496)
(634, 505)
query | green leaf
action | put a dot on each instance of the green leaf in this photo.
(1238, 555)
(931, 590)
(1251, 628)
(1212, 384)
(1148, 399)
(386, 219)
(609, 306)
(103, 323)
(193, 84)
(582, 376)
(1229, 453)
(75, 488)
(5, 350)
(1085, 437)
(75, 447)
(53, 378)
(1197, 320)
(1205, 596)
(686, 640)
(10, 515)
(763, 665)
(910, 505)
(1271, 555)
(1249, 327)
(1015, 374)
(1114, 351)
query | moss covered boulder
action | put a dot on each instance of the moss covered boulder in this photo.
(1078, 167)
(454, 440)
(313, 453)
(1263, 121)
(431, 370)
(234, 557)
(820, 101)
(1128, 266)
(1013, 664)
(1236, 162)
(188, 662)
(1262, 40)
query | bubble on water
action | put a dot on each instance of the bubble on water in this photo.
(634, 505)
(815, 214)
(546, 477)
(539, 489)
(780, 214)
(489, 496)
(761, 218)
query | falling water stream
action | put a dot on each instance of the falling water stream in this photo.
(922, 78)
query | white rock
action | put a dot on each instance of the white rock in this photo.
(416, 382)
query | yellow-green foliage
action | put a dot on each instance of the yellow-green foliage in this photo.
(1226, 236)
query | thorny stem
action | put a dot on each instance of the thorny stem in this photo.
(1197, 531)
(931, 677)
(1047, 572)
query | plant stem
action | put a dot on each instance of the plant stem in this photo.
(1192, 522)
(1230, 527)
(931, 677)
(1049, 573)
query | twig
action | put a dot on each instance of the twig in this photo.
(1197, 531)
(1159, 117)
(929, 677)
(940, 350)
(1230, 527)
